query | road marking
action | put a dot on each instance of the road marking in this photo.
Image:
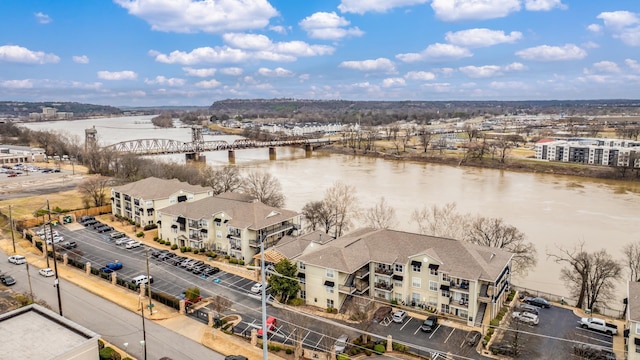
(418, 329)
(596, 339)
(405, 324)
(434, 332)
(305, 337)
(290, 334)
(447, 339)
(318, 343)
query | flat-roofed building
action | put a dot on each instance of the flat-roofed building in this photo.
(34, 332)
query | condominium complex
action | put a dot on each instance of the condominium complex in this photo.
(445, 275)
(139, 201)
(229, 223)
(633, 320)
(611, 152)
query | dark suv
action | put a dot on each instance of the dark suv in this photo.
(429, 324)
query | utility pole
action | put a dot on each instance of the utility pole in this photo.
(13, 239)
(146, 252)
(30, 288)
(144, 331)
(265, 335)
(46, 247)
(55, 263)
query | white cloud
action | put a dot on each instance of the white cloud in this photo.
(202, 72)
(212, 16)
(117, 75)
(507, 85)
(19, 54)
(454, 10)
(381, 6)
(304, 77)
(481, 71)
(630, 36)
(277, 72)
(328, 26)
(590, 45)
(633, 65)
(43, 18)
(161, 80)
(437, 52)
(232, 71)
(594, 28)
(380, 64)
(544, 5)
(17, 84)
(446, 71)
(420, 75)
(301, 48)
(247, 41)
(618, 19)
(515, 66)
(208, 84)
(280, 29)
(393, 82)
(202, 55)
(606, 67)
(481, 37)
(552, 53)
(82, 59)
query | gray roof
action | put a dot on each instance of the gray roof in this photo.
(153, 188)
(458, 258)
(291, 247)
(241, 214)
(634, 301)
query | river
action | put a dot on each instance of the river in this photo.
(553, 211)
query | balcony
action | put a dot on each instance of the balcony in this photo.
(381, 285)
(195, 224)
(485, 293)
(461, 303)
(362, 273)
(196, 237)
(235, 246)
(270, 231)
(384, 271)
(359, 288)
(464, 285)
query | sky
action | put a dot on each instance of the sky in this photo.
(188, 52)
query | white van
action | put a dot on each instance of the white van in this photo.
(141, 279)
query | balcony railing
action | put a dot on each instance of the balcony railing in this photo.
(235, 246)
(362, 273)
(383, 286)
(384, 271)
(195, 224)
(354, 289)
(462, 286)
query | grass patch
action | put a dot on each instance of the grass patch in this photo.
(26, 206)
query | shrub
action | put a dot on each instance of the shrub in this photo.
(289, 351)
(399, 347)
(183, 249)
(330, 310)
(150, 226)
(367, 352)
(109, 354)
(227, 257)
(335, 311)
(296, 302)
(379, 349)
(240, 262)
(140, 234)
(343, 357)
(100, 344)
(155, 238)
(233, 261)
(196, 251)
(174, 246)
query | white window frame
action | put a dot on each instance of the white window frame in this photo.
(399, 268)
(416, 282)
(301, 265)
(330, 289)
(638, 328)
(433, 285)
(416, 268)
(330, 303)
(330, 273)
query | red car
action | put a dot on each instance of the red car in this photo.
(271, 325)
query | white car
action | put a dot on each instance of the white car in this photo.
(17, 259)
(526, 317)
(56, 239)
(256, 288)
(132, 244)
(46, 272)
(399, 316)
(123, 240)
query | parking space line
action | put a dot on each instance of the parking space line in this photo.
(418, 329)
(609, 342)
(305, 337)
(405, 324)
(318, 343)
(447, 339)
(434, 331)
(290, 334)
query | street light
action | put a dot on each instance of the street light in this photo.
(265, 335)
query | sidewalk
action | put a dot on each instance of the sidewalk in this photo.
(163, 315)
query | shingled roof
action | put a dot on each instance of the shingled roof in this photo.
(349, 253)
(252, 215)
(153, 188)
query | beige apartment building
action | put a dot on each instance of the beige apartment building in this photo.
(448, 276)
(140, 201)
(633, 320)
(229, 223)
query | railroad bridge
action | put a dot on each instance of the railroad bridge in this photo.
(197, 146)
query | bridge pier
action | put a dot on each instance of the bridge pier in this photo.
(195, 157)
(308, 150)
(272, 153)
(232, 157)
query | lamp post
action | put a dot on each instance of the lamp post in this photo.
(265, 335)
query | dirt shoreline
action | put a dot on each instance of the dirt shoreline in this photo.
(510, 164)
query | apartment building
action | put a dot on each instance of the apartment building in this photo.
(633, 320)
(610, 152)
(230, 223)
(445, 275)
(139, 201)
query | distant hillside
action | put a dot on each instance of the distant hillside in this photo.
(22, 109)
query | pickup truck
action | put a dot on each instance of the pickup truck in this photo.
(599, 325)
(111, 267)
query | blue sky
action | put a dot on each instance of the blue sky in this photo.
(185, 52)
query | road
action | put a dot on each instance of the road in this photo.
(114, 323)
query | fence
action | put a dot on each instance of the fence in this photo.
(600, 308)
(21, 224)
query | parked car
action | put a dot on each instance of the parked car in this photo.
(537, 301)
(429, 324)
(156, 253)
(212, 270)
(598, 325)
(166, 256)
(7, 280)
(105, 228)
(341, 344)
(117, 235)
(90, 223)
(473, 337)
(528, 308)
(142, 279)
(17, 259)
(271, 325)
(193, 264)
(123, 240)
(85, 218)
(399, 316)
(235, 357)
(46, 272)
(586, 351)
(176, 260)
(198, 269)
(132, 244)
(256, 288)
(56, 239)
(111, 267)
(70, 244)
(525, 317)
(96, 225)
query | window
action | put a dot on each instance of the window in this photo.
(446, 277)
(399, 268)
(329, 273)
(433, 271)
(433, 301)
(415, 268)
(330, 303)
(446, 293)
(637, 328)
(416, 282)
(219, 234)
(329, 289)
(444, 308)
(433, 285)
(303, 294)
(301, 266)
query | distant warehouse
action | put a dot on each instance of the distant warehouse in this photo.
(610, 152)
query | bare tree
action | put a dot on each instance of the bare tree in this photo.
(590, 277)
(425, 138)
(341, 201)
(442, 221)
(494, 232)
(318, 215)
(225, 179)
(381, 215)
(632, 256)
(220, 304)
(264, 187)
(94, 190)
